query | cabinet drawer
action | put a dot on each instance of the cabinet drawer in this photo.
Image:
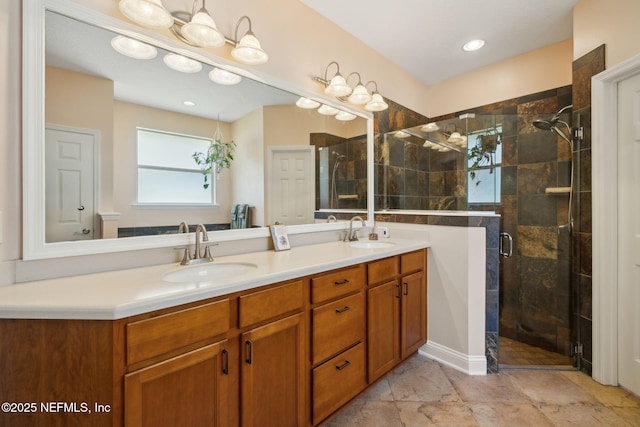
(412, 261)
(332, 285)
(337, 381)
(264, 305)
(158, 335)
(337, 325)
(383, 270)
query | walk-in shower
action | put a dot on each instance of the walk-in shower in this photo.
(333, 199)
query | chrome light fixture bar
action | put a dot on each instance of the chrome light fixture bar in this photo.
(338, 86)
(196, 28)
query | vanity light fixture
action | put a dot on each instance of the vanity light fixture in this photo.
(196, 28)
(224, 77)
(360, 95)
(376, 103)
(148, 13)
(337, 86)
(200, 30)
(182, 63)
(307, 104)
(473, 45)
(133, 48)
(248, 49)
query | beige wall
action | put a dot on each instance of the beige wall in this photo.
(532, 72)
(248, 171)
(126, 118)
(614, 23)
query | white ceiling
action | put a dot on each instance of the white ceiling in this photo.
(425, 37)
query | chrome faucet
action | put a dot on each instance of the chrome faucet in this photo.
(332, 217)
(183, 227)
(352, 235)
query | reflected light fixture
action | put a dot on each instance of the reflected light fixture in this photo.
(181, 63)
(224, 77)
(360, 95)
(307, 104)
(430, 127)
(200, 30)
(344, 116)
(148, 13)
(455, 138)
(327, 110)
(133, 48)
(248, 49)
(473, 45)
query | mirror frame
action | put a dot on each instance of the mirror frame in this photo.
(33, 161)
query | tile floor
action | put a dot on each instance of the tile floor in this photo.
(422, 392)
(514, 353)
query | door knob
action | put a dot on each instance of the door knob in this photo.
(81, 208)
(86, 231)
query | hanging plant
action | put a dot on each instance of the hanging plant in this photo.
(218, 156)
(482, 153)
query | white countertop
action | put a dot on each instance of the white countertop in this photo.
(122, 293)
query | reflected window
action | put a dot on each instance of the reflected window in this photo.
(484, 173)
(167, 172)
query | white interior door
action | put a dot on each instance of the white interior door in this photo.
(629, 233)
(69, 183)
(291, 192)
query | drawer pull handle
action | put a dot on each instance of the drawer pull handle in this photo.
(399, 294)
(341, 282)
(344, 365)
(406, 288)
(342, 310)
(249, 349)
(225, 362)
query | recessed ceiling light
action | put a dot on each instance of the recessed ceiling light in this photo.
(473, 45)
(189, 103)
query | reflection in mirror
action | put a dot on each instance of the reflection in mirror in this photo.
(452, 164)
(121, 133)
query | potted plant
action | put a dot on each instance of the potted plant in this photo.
(219, 155)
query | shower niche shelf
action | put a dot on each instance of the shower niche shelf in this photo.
(557, 191)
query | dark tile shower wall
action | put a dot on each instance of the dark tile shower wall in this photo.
(583, 69)
(351, 175)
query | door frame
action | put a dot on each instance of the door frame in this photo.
(271, 150)
(604, 148)
(97, 147)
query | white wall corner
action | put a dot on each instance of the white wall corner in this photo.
(7, 273)
(470, 365)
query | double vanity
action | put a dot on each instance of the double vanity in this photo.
(266, 338)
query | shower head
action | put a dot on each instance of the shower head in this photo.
(544, 124)
(552, 125)
(338, 155)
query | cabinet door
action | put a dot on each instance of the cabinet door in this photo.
(272, 374)
(414, 313)
(187, 390)
(384, 328)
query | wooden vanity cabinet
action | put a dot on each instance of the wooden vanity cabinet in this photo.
(397, 310)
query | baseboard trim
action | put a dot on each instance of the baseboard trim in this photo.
(470, 365)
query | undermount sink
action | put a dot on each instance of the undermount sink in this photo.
(371, 244)
(206, 272)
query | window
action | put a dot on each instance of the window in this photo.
(483, 180)
(167, 173)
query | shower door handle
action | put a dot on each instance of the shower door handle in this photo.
(504, 235)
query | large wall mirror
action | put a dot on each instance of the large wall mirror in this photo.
(109, 142)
